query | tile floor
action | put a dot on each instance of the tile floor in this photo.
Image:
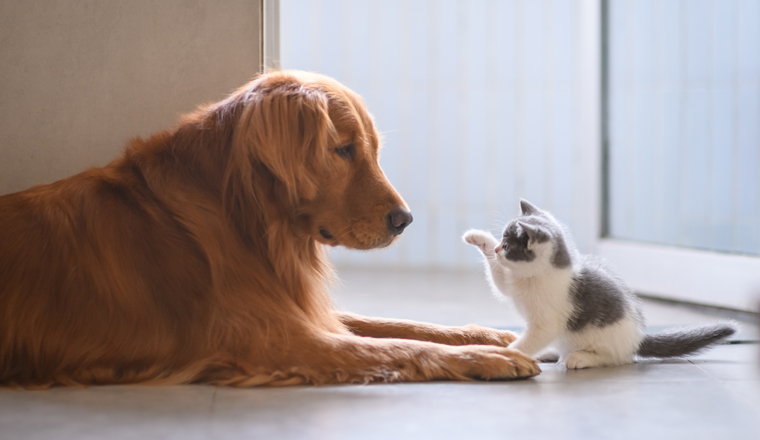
(712, 396)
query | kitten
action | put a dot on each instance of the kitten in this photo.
(573, 301)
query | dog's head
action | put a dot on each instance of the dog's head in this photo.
(319, 144)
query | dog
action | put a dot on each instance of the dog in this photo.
(198, 257)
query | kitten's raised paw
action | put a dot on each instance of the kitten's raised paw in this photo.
(482, 239)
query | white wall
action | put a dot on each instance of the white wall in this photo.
(480, 102)
(79, 78)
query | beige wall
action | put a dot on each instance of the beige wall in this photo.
(79, 78)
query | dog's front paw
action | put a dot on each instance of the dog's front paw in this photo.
(477, 335)
(486, 362)
(483, 240)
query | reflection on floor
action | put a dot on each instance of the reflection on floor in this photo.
(711, 396)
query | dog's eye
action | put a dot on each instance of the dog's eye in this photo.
(346, 152)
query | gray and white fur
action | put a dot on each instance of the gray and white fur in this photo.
(575, 303)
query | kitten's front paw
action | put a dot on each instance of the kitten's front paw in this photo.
(549, 356)
(578, 360)
(483, 240)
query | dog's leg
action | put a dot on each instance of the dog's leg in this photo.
(334, 358)
(404, 329)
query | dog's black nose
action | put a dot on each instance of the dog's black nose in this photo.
(398, 220)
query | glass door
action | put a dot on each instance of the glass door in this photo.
(683, 147)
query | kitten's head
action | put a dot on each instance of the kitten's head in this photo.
(533, 243)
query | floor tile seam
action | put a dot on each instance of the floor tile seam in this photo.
(213, 401)
(719, 379)
(730, 390)
(211, 415)
(690, 361)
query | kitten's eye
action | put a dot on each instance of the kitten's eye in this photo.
(347, 151)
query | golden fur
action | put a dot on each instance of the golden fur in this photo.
(197, 257)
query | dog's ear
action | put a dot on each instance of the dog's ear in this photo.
(285, 126)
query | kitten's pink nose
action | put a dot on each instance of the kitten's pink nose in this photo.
(497, 249)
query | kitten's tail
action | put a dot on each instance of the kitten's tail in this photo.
(686, 340)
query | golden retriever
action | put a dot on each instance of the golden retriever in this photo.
(198, 257)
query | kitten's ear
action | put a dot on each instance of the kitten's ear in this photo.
(527, 208)
(535, 233)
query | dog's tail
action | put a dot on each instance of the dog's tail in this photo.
(684, 341)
